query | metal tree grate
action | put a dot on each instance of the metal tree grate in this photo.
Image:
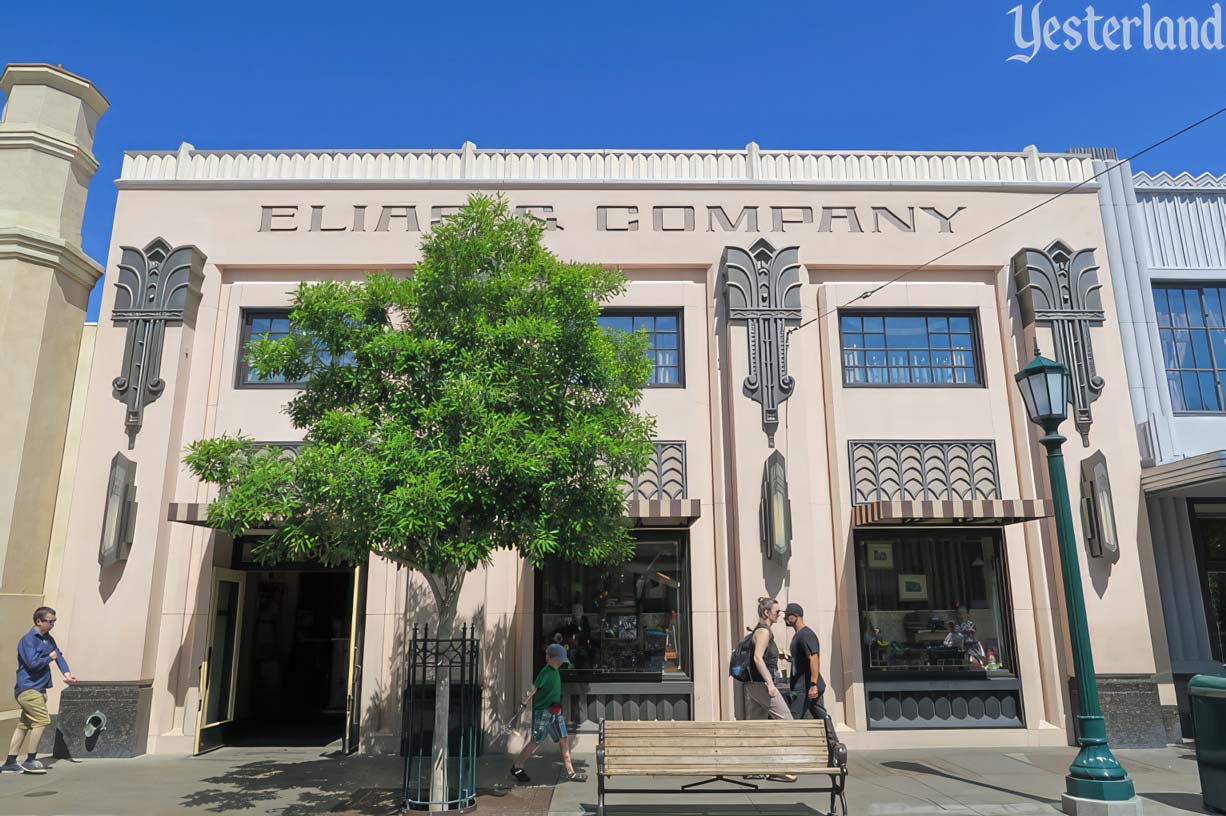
(457, 660)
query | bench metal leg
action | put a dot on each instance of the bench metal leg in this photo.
(749, 785)
(599, 796)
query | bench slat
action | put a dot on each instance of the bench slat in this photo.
(721, 770)
(663, 744)
(780, 761)
(706, 731)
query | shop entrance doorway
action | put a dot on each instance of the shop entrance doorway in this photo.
(283, 665)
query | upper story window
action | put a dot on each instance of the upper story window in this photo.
(1192, 328)
(268, 324)
(910, 348)
(663, 341)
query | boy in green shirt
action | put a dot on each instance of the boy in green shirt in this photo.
(547, 719)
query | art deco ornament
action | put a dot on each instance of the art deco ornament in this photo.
(762, 287)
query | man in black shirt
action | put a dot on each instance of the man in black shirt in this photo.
(806, 679)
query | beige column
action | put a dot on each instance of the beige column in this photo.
(46, 134)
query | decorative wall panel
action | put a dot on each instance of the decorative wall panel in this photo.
(923, 470)
(994, 705)
(664, 477)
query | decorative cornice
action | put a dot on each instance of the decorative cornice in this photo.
(65, 81)
(25, 245)
(48, 141)
(752, 166)
(1183, 181)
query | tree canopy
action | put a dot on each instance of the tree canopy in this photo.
(471, 406)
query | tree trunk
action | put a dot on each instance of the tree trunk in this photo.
(446, 590)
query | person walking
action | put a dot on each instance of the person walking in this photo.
(807, 684)
(547, 717)
(36, 651)
(765, 700)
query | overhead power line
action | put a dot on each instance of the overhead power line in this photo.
(868, 293)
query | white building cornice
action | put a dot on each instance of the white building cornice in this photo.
(188, 167)
(1145, 182)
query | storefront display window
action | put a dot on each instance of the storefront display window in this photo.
(933, 602)
(626, 621)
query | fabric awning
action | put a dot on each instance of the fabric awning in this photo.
(645, 512)
(664, 512)
(984, 512)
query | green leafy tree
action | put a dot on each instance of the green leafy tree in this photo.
(474, 406)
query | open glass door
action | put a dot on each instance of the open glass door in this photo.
(357, 635)
(219, 671)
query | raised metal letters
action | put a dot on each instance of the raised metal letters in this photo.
(1059, 287)
(762, 287)
(153, 289)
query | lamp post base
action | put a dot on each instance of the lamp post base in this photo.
(1100, 790)
(1079, 806)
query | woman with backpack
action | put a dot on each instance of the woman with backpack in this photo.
(765, 701)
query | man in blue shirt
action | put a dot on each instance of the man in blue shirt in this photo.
(35, 652)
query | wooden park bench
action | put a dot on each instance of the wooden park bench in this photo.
(720, 752)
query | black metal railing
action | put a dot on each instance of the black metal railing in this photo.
(455, 663)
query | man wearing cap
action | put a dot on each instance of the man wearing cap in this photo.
(806, 678)
(547, 717)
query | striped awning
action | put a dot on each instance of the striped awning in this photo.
(982, 512)
(188, 513)
(664, 512)
(645, 512)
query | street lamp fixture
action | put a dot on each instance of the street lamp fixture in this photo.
(1095, 774)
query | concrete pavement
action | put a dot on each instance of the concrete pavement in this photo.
(296, 782)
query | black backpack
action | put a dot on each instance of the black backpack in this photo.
(739, 666)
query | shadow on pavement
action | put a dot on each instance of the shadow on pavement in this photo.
(317, 786)
(921, 768)
(1183, 801)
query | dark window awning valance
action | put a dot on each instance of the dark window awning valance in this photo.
(664, 512)
(983, 512)
(645, 512)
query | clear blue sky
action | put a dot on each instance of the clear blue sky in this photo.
(806, 74)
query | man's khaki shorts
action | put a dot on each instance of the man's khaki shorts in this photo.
(34, 708)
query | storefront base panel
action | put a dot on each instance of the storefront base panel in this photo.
(586, 704)
(903, 705)
(1135, 715)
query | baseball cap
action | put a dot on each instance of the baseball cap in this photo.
(557, 651)
(794, 609)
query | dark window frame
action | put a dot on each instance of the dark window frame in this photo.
(685, 599)
(654, 312)
(242, 368)
(1198, 511)
(978, 366)
(1217, 367)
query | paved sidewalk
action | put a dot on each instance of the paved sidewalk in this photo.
(296, 782)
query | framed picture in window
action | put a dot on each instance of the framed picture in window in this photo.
(880, 555)
(913, 587)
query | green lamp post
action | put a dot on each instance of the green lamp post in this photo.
(1095, 773)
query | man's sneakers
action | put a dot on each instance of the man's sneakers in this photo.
(520, 775)
(30, 766)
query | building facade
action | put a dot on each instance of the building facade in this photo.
(46, 137)
(1166, 238)
(867, 457)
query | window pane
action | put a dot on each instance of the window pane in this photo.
(1217, 339)
(666, 323)
(876, 375)
(1196, 315)
(630, 617)
(938, 324)
(1161, 307)
(906, 332)
(1213, 305)
(850, 323)
(853, 340)
(1176, 385)
(899, 357)
(1208, 391)
(855, 375)
(942, 375)
(919, 358)
(1178, 316)
(963, 358)
(279, 326)
(874, 324)
(259, 325)
(666, 340)
(960, 324)
(1200, 347)
(963, 375)
(942, 358)
(876, 358)
(940, 341)
(1191, 391)
(921, 375)
(961, 341)
(874, 341)
(666, 358)
(900, 375)
(1168, 348)
(666, 375)
(615, 322)
(853, 358)
(1183, 349)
